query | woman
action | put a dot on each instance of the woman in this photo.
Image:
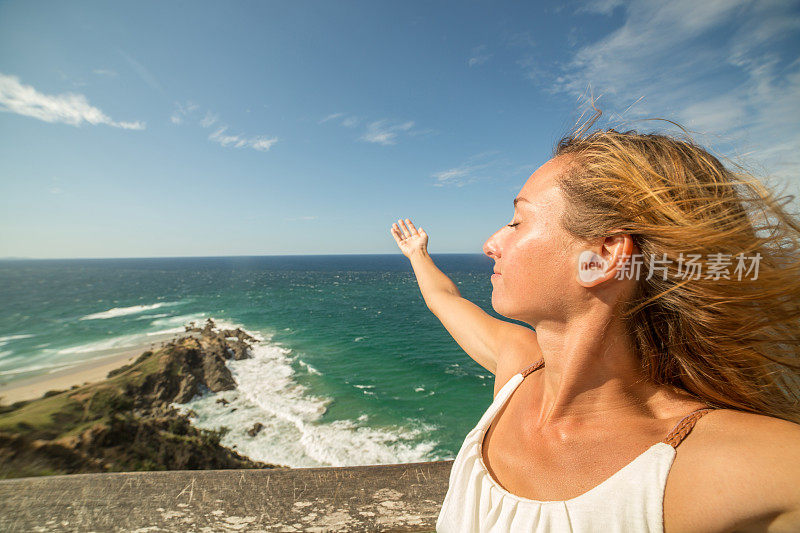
(632, 256)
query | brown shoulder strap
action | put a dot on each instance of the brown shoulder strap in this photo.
(685, 425)
(532, 368)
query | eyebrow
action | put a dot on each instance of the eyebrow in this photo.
(520, 199)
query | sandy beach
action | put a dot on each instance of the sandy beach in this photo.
(87, 372)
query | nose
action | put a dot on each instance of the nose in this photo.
(492, 246)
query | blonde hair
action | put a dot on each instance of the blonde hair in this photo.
(732, 343)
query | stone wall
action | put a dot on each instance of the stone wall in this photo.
(401, 497)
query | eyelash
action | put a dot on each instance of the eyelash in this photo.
(512, 225)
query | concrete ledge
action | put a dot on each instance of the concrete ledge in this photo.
(402, 497)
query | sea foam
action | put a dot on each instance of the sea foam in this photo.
(294, 433)
(122, 341)
(5, 340)
(124, 311)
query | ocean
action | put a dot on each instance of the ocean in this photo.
(351, 367)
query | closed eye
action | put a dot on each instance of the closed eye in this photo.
(512, 225)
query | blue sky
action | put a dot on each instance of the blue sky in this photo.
(146, 129)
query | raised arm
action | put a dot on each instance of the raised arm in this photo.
(485, 339)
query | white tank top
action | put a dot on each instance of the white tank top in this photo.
(630, 501)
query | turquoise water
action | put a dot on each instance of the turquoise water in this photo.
(352, 368)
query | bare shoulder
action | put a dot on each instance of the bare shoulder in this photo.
(738, 428)
(766, 440)
(736, 471)
(520, 350)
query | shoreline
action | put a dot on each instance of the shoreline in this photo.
(97, 369)
(89, 428)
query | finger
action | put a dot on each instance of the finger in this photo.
(403, 228)
(411, 227)
(396, 233)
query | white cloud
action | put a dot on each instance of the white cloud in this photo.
(330, 117)
(573, 36)
(260, 143)
(182, 111)
(482, 166)
(380, 132)
(220, 134)
(143, 73)
(226, 140)
(67, 108)
(55, 186)
(479, 56)
(347, 121)
(105, 72)
(209, 120)
(603, 7)
(377, 132)
(722, 68)
(350, 122)
(458, 176)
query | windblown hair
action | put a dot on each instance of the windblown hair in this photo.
(732, 342)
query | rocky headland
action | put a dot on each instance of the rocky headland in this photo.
(125, 423)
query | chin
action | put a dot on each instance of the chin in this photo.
(502, 308)
(509, 310)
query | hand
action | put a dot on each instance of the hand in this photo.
(409, 239)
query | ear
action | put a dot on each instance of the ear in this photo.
(596, 265)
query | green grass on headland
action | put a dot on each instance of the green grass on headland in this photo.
(124, 423)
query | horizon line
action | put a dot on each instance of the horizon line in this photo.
(17, 258)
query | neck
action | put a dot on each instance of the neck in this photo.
(591, 376)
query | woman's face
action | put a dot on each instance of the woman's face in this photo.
(536, 259)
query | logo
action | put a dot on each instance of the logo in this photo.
(591, 266)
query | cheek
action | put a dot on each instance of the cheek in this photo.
(542, 264)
